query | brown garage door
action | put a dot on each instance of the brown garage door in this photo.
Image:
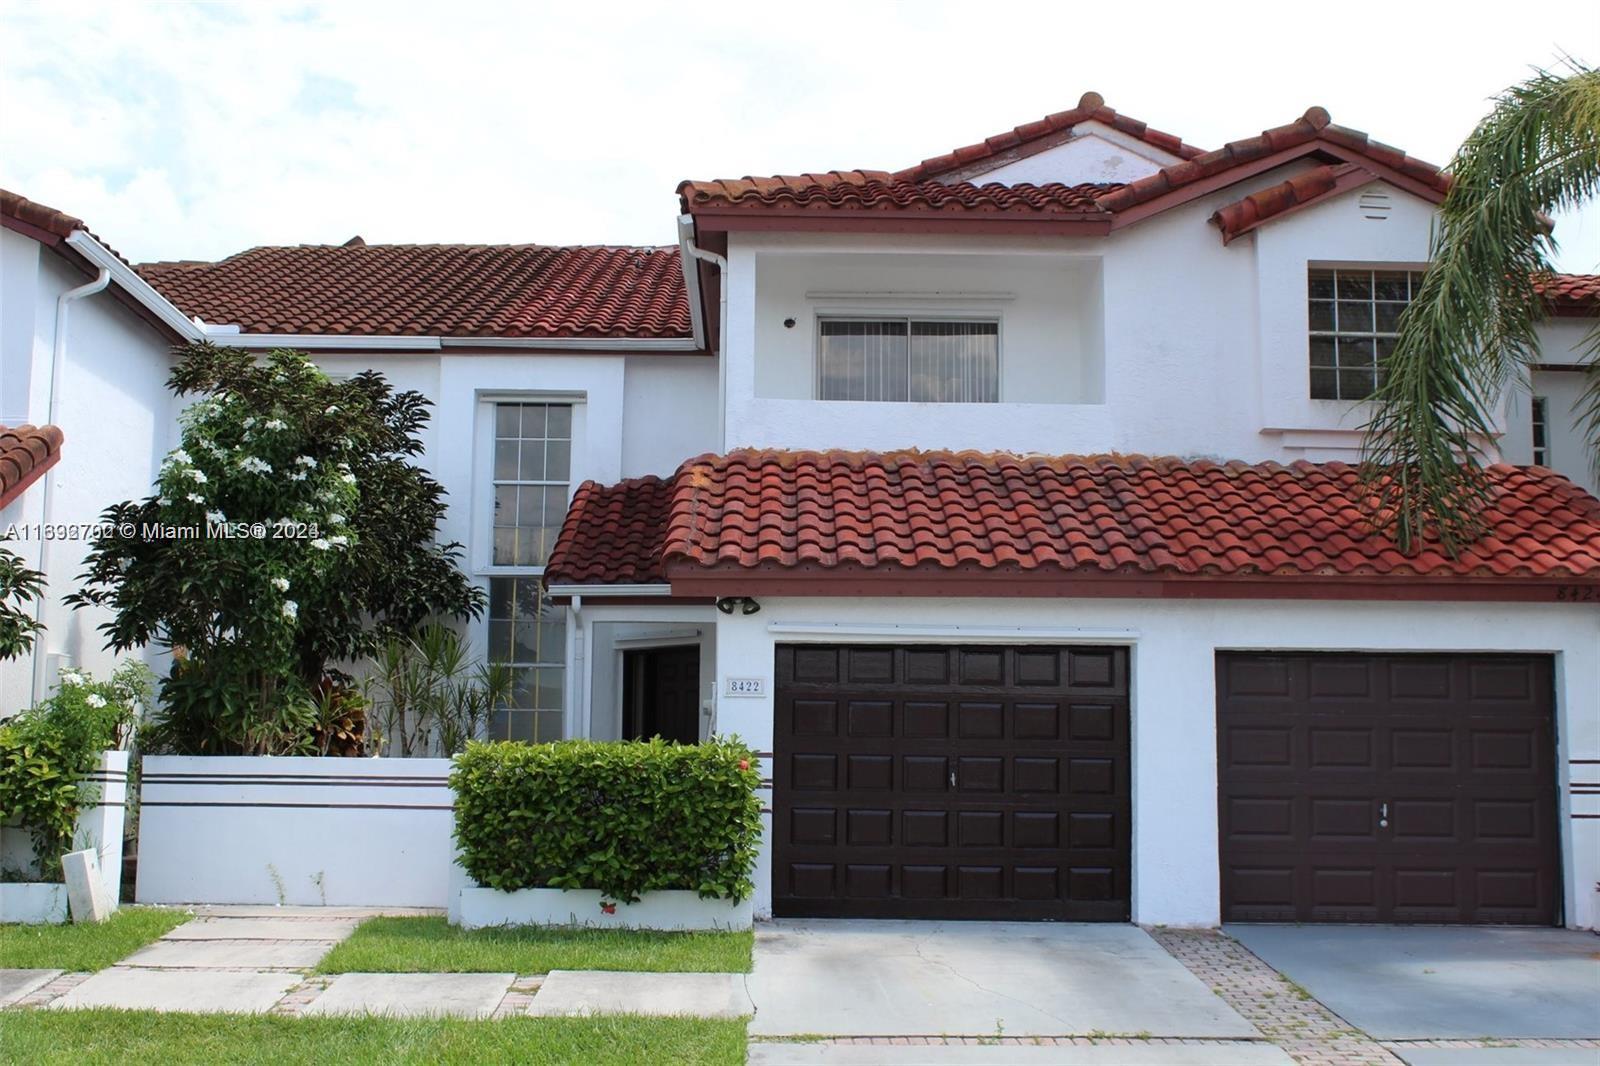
(1387, 788)
(951, 782)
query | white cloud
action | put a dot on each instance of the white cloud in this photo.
(195, 131)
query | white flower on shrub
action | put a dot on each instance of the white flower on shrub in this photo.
(195, 497)
(339, 541)
(306, 461)
(348, 479)
(178, 455)
(249, 423)
(281, 584)
(336, 519)
(298, 475)
(74, 677)
(253, 465)
(277, 423)
(94, 699)
(322, 544)
(291, 610)
(332, 408)
(197, 476)
(216, 518)
(162, 501)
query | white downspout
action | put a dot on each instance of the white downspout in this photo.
(686, 239)
(580, 682)
(58, 361)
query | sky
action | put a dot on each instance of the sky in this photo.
(191, 131)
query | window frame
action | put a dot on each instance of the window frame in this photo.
(1539, 430)
(1336, 333)
(910, 318)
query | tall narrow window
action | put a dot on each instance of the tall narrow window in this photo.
(529, 633)
(532, 468)
(531, 475)
(908, 360)
(1541, 431)
(1355, 317)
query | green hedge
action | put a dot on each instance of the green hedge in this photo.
(622, 817)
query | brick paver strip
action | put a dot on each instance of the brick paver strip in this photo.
(519, 996)
(47, 994)
(1285, 1013)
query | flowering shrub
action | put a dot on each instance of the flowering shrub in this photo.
(46, 750)
(287, 530)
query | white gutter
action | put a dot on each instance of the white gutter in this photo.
(230, 335)
(129, 280)
(580, 683)
(692, 250)
(58, 360)
(869, 631)
(597, 592)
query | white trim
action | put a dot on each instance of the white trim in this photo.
(230, 335)
(600, 592)
(98, 254)
(960, 634)
(667, 638)
(932, 294)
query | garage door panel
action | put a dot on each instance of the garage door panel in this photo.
(967, 783)
(1432, 802)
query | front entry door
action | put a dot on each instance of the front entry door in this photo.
(662, 694)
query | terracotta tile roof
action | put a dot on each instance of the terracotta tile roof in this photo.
(1312, 128)
(26, 452)
(1095, 516)
(1576, 295)
(15, 207)
(451, 290)
(1242, 216)
(1051, 130)
(877, 190)
(613, 534)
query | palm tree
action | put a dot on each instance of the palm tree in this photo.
(1469, 333)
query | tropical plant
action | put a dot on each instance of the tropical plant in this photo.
(290, 530)
(428, 694)
(19, 587)
(1470, 332)
(46, 751)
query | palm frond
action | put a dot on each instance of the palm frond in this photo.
(1472, 328)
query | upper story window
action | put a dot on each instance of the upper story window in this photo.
(908, 360)
(1355, 317)
(1541, 431)
(532, 470)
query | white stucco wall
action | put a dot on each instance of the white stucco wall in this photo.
(1158, 339)
(1097, 153)
(1174, 745)
(1562, 342)
(117, 418)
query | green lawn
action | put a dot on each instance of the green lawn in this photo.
(96, 1036)
(423, 945)
(75, 947)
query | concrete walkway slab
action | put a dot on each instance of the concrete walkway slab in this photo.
(252, 910)
(1219, 1053)
(1441, 982)
(580, 993)
(17, 984)
(413, 995)
(1500, 1056)
(238, 954)
(888, 978)
(193, 991)
(334, 929)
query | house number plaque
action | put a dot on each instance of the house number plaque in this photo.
(744, 686)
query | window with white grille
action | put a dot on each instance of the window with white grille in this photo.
(1355, 318)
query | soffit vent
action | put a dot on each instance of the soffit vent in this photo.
(1375, 205)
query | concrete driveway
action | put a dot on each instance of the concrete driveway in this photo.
(1443, 982)
(978, 979)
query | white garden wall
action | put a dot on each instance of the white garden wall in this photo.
(1174, 745)
(99, 828)
(310, 831)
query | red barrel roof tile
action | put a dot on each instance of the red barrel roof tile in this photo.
(26, 452)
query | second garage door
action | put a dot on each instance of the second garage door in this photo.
(1387, 788)
(951, 782)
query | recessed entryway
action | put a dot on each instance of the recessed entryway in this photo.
(1387, 788)
(936, 781)
(661, 693)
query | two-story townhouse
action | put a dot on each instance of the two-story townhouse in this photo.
(998, 663)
